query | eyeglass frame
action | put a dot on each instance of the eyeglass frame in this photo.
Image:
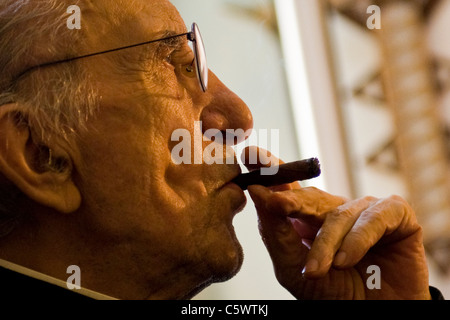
(194, 36)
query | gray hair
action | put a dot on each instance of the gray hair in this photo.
(58, 100)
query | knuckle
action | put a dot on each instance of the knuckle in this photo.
(310, 189)
(325, 243)
(357, 237)
(342, 213)
(397, 200)
(370, 199)
(324, 235)
(398, 204)
(281, 204)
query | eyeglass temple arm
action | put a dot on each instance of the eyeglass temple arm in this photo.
(190, 36)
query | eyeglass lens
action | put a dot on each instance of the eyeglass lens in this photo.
(200, 57)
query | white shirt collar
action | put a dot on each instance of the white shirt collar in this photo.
(43, 277)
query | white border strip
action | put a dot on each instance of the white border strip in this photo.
(312, 90)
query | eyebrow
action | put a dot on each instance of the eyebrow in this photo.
(173, 40)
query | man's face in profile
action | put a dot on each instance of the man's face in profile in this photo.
(140, 212)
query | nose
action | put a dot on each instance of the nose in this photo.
(226, 112)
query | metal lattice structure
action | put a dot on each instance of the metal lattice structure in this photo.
(410, 89)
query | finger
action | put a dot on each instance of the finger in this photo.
(254, 158)
(310, 205)
(302, 210)
(330, 236)
(391, 219)
(279, 236)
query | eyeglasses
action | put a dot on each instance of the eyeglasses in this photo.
(194, 36)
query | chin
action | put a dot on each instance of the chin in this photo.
(221, 256)
(220, 266)
(226, 263)
(232, 267)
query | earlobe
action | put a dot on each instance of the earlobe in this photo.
(42, 171)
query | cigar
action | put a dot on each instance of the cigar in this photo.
(287, 173)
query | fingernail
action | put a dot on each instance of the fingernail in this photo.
(264, 157)
(311, 266)
(307, 243)
(340, 258)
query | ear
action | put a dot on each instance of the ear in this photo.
(42, 171)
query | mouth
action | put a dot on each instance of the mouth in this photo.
(235, 194)
(230, 181)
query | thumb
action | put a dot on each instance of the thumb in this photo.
(254, 158)
(278, 234)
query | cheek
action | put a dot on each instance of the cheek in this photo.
(128, 198)
(125, 172)
(125, 181)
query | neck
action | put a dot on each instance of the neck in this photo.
(106, 266)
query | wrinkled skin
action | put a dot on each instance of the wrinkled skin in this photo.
(321, 245)
(140, 226)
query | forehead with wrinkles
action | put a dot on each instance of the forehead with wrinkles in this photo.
(105, 24)
(108, 22)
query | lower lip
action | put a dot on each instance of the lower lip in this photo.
(233, 186)
(241, 200)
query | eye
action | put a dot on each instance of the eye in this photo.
(189, 69)
(168, 58)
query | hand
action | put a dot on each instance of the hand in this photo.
(321, 245)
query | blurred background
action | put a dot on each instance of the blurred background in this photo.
(366, 91)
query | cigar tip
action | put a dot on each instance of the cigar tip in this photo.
(315, 167)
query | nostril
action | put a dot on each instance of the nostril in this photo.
(215, 123)
(213, 120)
(214, 134)
(229, 137)
(236, 136)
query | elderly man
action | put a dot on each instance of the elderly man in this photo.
(87, 177)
